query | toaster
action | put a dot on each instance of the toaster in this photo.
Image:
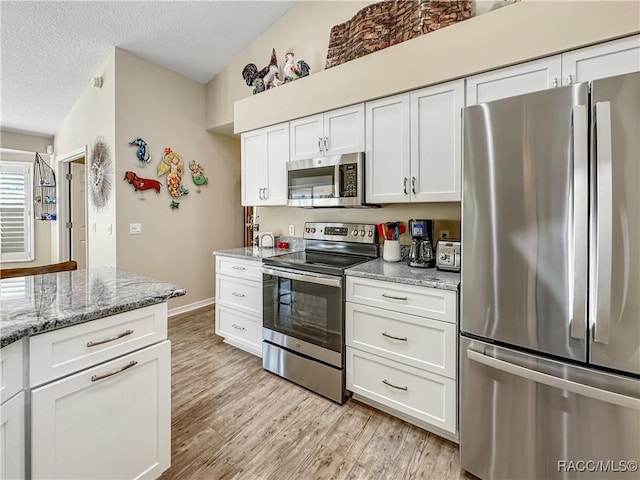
(448, 254)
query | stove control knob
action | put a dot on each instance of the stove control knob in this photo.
(370, 233)
(308, 230)
(362, 232)
(354, 233)
(444, 256)
(313, 230)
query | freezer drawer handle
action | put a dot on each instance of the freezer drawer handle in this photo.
(402, 339)
(236, 294)
(95, 378)
(237, 327)
(394, 386)
(560, 383)
(93, 343)
(235, 267)
(386, 295)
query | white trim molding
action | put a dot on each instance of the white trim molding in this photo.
(192, 306)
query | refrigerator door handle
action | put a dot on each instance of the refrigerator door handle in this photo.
(601, 313)
(578, 253)
(556, 382)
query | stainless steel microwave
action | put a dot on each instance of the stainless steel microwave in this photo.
(336, 181)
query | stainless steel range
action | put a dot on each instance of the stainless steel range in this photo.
(303, 305)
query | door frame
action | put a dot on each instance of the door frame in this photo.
(62, 165)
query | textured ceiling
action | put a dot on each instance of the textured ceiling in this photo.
(49, 50)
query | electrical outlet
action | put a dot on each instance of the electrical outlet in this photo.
(444, 233)
(292, 230)
(135, 228)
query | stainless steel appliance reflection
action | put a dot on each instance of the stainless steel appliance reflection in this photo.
(550, 347)
(303, 306)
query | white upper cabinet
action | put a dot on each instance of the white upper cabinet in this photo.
(517, 80)
(388, 151)
(330, 133)
(600, 61)
(436, 159)
(264, 156)
(413, 151)
(607, 59)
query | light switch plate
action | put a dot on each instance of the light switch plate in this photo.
(292, 230)
(135, 228)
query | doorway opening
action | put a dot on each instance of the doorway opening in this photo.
(77, 214)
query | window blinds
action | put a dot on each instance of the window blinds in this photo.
(16, 223)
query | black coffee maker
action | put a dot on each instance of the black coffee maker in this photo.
(421, 251)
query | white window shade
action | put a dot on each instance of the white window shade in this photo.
(16, 222)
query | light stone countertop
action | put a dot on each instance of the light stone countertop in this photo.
(251, 253)
(400, 272)
(40, 303)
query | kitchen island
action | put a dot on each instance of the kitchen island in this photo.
(90, 350)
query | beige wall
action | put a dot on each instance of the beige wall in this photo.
(516, 33)
(41, 229)
(24, 142)
(303, 30)
(167, 110)
(93, 115)
(278, 219)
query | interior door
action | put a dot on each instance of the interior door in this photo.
(78, 192)
(615, 257)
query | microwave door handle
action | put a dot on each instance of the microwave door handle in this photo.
(604, 211)
(578, 245)
(339, 182)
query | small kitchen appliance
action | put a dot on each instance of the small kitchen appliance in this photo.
(303, 305)
(448, 255)
(421, 250)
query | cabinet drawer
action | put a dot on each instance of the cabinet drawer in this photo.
(239, 329)
(61, 352)
(238, 293)
(235, 267)
(416, 341)
(11, 369)
(109, 421)
(421, 395)
(423, 301)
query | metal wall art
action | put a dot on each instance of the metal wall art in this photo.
(141, 183)
(101, 174)
(44, 190)
(173, 165)
(142, 152)
(197, 174)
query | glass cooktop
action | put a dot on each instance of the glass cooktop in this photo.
(332, 264)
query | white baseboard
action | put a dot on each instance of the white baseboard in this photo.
(192, 306)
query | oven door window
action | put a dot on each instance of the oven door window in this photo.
(307, 311)
(310, 183)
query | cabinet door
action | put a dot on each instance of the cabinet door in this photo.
(435, 143)
(12, 439)
(109, 421)
(277, 156)
(387, 152)
(600, 61)
(516, 80)
(253, 158)
(344, 130)
(239, 329)
(306, 137)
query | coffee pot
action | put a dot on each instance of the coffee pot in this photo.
(421, 251)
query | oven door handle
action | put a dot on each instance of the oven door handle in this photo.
(320, 279)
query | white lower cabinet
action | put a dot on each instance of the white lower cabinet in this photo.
(12, 438)
(109, 421)
(402, 351)
(239, 329)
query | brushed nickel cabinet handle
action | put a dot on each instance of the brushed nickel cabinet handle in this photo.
(413, 185)
(402, 339)
(555, 82)
(236, 294)
(266, 193)
(326, 143)
(395, 386)
(404, 185)
(237, 327)
(569, 79)
(235, 267)
(319, 144)
(95, 378)
(93, 343)
(386, 295)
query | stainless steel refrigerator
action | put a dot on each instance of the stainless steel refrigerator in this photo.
(550, 312)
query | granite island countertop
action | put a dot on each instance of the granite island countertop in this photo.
(40, 303)
(400, 272)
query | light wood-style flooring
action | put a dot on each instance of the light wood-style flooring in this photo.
(232, 419)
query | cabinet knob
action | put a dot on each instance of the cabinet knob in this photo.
(555, 82)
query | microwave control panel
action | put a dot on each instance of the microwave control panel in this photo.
(349, 177)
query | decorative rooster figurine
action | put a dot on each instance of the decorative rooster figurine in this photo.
(251, 74)
(292, 71)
